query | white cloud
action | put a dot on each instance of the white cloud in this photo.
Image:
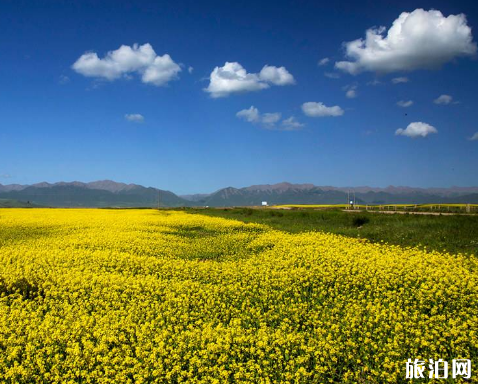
(190, 69)
(251, 115)
(474, 137)
(332, 75)
(443, 99)
(417, 129)
(291, 124)
(323, 62)
(405, 104)
(134, 117)
(233, 78)
(276, 75)
(398, 80)
(140, 59)
(351, 91)
(314, 109)
(161, 71)
(417, 40)
(268, 120)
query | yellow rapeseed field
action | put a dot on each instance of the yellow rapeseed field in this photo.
(142, 296)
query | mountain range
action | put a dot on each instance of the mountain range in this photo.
(107, 193)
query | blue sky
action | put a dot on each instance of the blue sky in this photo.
(61, 122)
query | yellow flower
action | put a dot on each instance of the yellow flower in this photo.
(144, 296)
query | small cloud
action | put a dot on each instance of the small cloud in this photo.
(474, 137)
(5, 176)
(276, 75)
(398, 80)
(323, 62)
(63, 80)
(369, 132)
(140, 59)
(190, 69)
(405, 104)
(233, 78)
(95, 84)
(314, 109)
(374, 82)
(332, 75)
(134, 117)
(251, 115)
(291, 124)
(443, 100)
(268, 120)
(351, 91)
(417, 129)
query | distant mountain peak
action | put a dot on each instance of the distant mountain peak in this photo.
(43, 184)
(112, 186)
(284, 186)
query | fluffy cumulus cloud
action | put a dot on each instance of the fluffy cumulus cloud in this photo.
(398, 80)
(417, 40)
(126, 60)
(405, 104)
(443, 99)
(417, 129)
(276, 75)
(323, 62)
(233, 78)
(268, 120)
(474, 137)
(134, 117)
(313, 109)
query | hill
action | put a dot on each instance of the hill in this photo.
(107, 193)
(287, 193)
(96, 194)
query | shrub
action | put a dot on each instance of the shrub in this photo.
(359, 221)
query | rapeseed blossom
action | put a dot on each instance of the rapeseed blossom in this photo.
(144, 296)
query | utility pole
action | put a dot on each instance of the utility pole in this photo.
(348, 199)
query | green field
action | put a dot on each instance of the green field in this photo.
(455, 234)
(440, 208)
(10, 203)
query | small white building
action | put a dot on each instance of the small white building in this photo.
(264, 204)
